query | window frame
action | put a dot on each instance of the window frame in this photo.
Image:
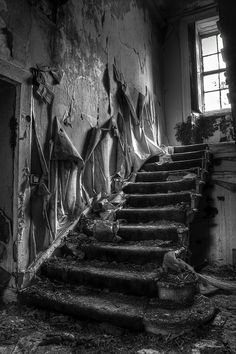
(202, 30)
(218, 71)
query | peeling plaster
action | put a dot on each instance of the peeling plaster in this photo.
(84, 41)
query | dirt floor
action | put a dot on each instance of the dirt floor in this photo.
(29, 330)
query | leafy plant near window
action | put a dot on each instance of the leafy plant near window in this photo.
(194, 133)
(184, 132)
(203, 129)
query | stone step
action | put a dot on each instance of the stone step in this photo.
(160, 199)
(168, 166)
(188, 148)
(143, 215)
(160, 187)
(134, 232)
(131, 312)
(190, 155)
(124, 279)
(181, 156)
(161, 176)
(123, 311)
(136, 254)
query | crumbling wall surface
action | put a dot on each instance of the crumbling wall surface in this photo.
(7, 103)
(75, 46)
(213, 229)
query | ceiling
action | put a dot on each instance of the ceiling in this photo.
(172, 8)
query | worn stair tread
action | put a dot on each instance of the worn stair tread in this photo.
(158, 199)
(160, 187)
(130, 253)
(130, 280)
(158, 320)
(85, 303)
(142, 215)
(122, 310)
(107, 271)
(157, 227)
(103, 265)
(127, 247)
(173, 165)
(160, 231)
(159, 176)
(186, 155)
(188, 148)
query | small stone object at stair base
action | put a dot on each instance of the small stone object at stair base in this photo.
(119, 283)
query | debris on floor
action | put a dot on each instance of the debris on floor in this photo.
(30, 330)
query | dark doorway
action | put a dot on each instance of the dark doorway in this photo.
(7, 118)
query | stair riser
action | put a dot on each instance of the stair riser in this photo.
(178, 165)
(189, 148)
(180, 156)
(162, 176)
(126, 285)
(146, 201)
(147, 234)
(160, 187)
(188, 155)
(151, 177)
(79, 310)
(133, 215)
(129, 256)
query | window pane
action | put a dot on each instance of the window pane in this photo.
(222, 63)
(220, 42)
(210, 63)
(212, 101)
(223, 81)
(209, 45)
(211, 82)
(224, 99)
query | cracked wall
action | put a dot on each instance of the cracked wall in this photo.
(84, 39)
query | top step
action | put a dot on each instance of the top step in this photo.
(188, 148)
(181, 156)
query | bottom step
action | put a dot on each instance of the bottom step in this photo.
(125, 311)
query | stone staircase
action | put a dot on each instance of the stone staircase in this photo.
(123, 283)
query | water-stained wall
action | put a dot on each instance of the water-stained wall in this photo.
(81, 40)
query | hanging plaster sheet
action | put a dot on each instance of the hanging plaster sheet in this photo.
(134, 144)
(88, 179)
(69, 164)
(40, 228)
(124, 160)
(96, 174)
(141, 146)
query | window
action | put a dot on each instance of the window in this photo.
(214, 85)
(211, 68)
